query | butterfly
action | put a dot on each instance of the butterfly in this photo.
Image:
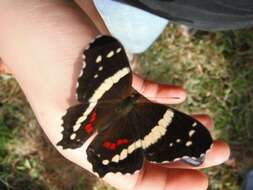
(130, 128)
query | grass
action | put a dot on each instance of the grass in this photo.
(17, 169)
(215, 68)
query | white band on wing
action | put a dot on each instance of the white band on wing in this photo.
(99, 92)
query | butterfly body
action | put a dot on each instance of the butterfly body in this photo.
(130, 128)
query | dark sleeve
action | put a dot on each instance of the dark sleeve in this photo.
(213, 15)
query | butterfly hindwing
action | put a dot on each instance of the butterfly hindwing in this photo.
(116, 149)
(78, 126)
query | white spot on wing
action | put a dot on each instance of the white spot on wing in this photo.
(75, 128)
(73, 136)
(115, 159)
(188, 143)
(118, 50)
(105, 162)
(110, 54)
(191, 132)
(194, 124)
(96, 76)
(99, 59)
(100, 68)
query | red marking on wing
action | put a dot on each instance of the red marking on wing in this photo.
(89, 127)
(122, 142)
(106, 145)
(93, 117)
(112, 146)
(109, 145)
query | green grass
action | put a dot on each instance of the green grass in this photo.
(215, 68)
(17, 169)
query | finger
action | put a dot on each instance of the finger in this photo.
(154, 177)
(205, 120)
(218, 154)
(161, 93)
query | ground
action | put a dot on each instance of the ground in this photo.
(215, 68)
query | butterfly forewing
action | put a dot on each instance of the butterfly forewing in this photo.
(104, 81)
(77, 126)
(104, 64)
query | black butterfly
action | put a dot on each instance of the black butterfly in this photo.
(130, 127)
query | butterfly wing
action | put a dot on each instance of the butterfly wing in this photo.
(104, 81)
(154, 131)
(116, 149)
(104, 64)
(174, 135)
(77, 126)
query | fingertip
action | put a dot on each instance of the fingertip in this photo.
(219, 153)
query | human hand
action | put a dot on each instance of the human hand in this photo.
(41, 43)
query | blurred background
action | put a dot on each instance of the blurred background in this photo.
(215, 68)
